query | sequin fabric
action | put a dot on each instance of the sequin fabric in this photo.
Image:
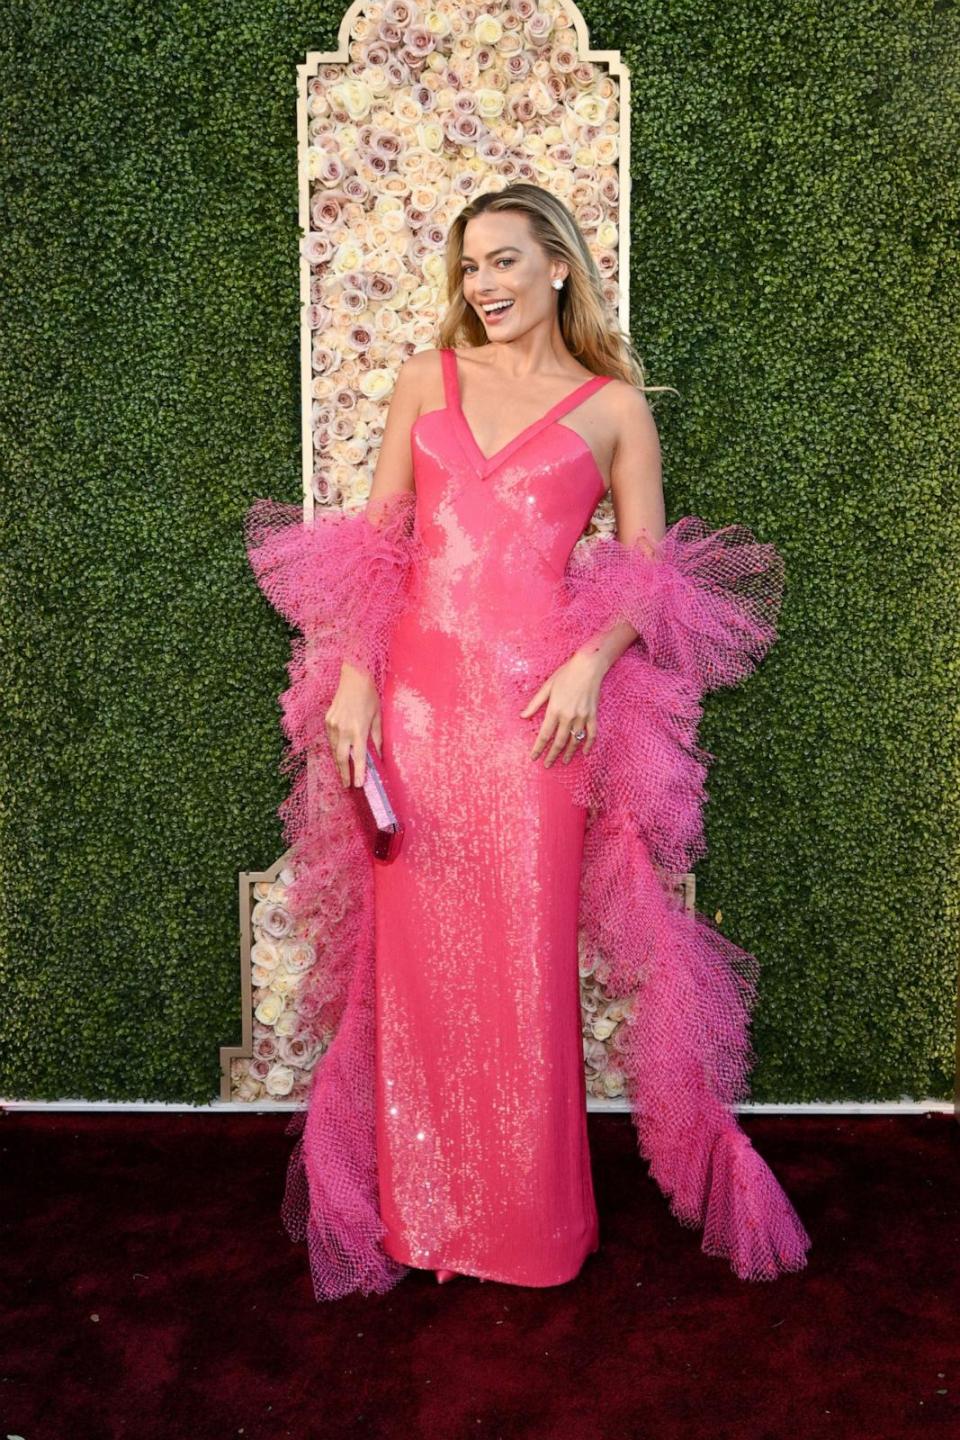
(446, 1121)
(483, 1160)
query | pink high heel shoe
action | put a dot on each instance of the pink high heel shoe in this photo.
(444, 1275)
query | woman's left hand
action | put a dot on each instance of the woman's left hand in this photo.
(571, 694)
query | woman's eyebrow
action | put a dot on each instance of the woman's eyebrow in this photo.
(493, 252)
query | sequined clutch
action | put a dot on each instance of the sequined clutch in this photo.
(379, 818)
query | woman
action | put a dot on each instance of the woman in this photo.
(534, 712)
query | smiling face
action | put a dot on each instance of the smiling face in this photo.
(502, 261)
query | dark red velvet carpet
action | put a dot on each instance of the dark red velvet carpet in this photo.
(152, 1293)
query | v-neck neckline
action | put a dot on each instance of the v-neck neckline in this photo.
(486, 464)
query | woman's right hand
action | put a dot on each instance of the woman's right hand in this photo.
(354, 714)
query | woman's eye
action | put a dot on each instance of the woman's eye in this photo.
(504, 259)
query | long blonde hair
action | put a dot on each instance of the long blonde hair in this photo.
(583, 314)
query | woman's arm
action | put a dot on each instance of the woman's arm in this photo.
(636, 487)
(394, 471)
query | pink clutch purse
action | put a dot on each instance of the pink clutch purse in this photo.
(376, 811)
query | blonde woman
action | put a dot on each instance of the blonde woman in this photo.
(533, 709)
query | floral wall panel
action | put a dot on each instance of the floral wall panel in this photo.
(420, 109)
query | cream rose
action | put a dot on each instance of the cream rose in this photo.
(298, 955)
(606, 150)
(490, 102)
(282, 983)
(429, 134)
(247, 1090)
(488, 30)
(347, 256)
(589, 109)
(352, 97)
(376, 384)
(288, 1023)
(270, 1008)
(437, 23)
(279, 1080)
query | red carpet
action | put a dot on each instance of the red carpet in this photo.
(151, 1292)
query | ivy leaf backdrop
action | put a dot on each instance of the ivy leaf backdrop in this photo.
(793, 243)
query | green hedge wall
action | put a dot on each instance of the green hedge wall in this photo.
(794, 275)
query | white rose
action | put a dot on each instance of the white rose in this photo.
(490, 103)
(434, 272)
(376, 79)
(270, 1007)
(589, 109)
(424, 333)
(279, 1080)
(282, 983)
(594, 1054)
(350, 452)
(376, 384)
(607, 234)
(353, 96)
(288, 1023)
(347, 256)
(316, 159)
(436, 23)
(406, 110)
(487, 30)
(386, 323)
(429, 134)
(384, 204)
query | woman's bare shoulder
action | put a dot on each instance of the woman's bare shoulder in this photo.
(631, 416)
(628, 402)
(421, 375)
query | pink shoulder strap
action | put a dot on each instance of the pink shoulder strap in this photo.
(451, 387)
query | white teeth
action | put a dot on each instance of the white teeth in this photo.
(500, 305)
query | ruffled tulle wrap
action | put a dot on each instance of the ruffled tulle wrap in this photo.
(341, 580)
(704, 605)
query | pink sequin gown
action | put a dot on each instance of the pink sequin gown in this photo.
(482, 1152)
(445, 1125)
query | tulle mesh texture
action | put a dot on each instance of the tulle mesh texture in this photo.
(704, 605)
(341, 580)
